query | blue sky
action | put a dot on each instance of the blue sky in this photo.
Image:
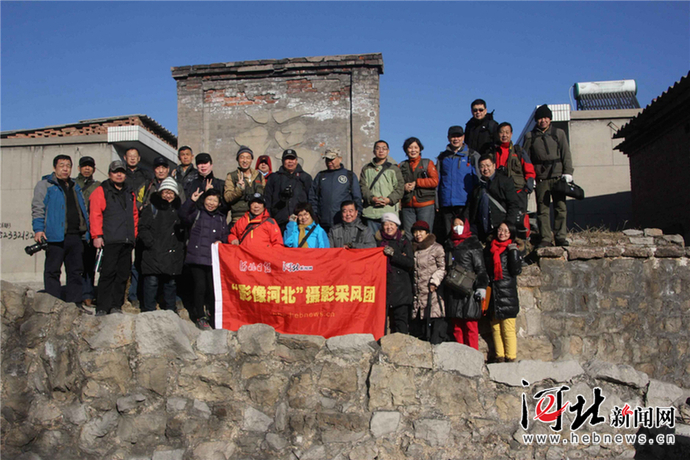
(67, 61)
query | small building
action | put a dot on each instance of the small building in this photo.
(657, 143)
(27, 155)
(307, 104)
(602, 108)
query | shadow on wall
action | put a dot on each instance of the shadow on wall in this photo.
(613, 212)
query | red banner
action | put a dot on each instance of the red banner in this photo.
(326, 292)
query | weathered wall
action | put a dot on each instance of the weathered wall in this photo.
(22, 168)
(152, 386)
(617, 297)
(604, 173)
(307, 104)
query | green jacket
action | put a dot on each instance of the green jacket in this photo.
(87, 186)
(549, 152)
(390, 185)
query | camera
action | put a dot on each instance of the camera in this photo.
(287, 192)
(34, 248)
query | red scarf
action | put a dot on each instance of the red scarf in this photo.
(502, 154)
(497, 248)
(457, 239)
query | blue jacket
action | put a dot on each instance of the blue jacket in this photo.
(317, 239)
(457, 174)
(49, 210)
(329, 189)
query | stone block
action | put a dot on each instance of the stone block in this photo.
(637, 251)
(384, 422)
(670, 239)
(214, 342)
(653, 232)
(613, 251)
(138, 428)
(176, 454)
(109, 366)
(669, 251)
(267, 391)
(534, 371)
(642, 240)
(256, 339)
(276, 441)
(339, 427)
(585, 253)
(434, 432)
(111, 331)
(550, 252)
(618, 373)
(452, 356)
(211, 450)
(662, 394)
(46, 303)
(129, 403)
(13, 301)
(152, 374)
(163, 333)
(352, 345)
(405, 350)
(95, 429)
(298, 348)
(175, 404)
(390, 387)
(338, 380)
(255, 420)
(633, 232)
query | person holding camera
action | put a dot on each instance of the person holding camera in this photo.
(241, 185)
(286, 188)
(421, 180)
(59, 220)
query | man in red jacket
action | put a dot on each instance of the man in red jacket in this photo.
(114, 223)
(256, 229)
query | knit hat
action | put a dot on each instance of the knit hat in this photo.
(543, 111)
(390, 217)
(169, 184)
(244, 149)
(421, 225)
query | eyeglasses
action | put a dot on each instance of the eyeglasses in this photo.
(381, 149)
(478, 110)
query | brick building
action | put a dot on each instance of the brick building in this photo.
(27, 155)
(307, 104)
(657, 143)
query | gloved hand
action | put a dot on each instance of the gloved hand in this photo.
(568, 178)
(481, 293)
(389, 251)
(530, 185)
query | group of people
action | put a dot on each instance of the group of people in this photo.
(473, 200)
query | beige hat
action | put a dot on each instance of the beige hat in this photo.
(332, 154)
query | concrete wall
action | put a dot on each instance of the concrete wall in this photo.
(325, 103)
(24, 162)
(600, 170)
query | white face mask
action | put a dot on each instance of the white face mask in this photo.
(458, 229)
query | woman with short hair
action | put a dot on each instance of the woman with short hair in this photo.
(303, 230)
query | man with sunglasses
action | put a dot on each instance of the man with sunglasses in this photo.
(481, 131)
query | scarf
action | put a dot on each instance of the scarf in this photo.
(502, 154)
(302, 233)
(497, 248)
(466, 233)
(385, 241)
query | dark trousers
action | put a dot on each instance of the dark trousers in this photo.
(202, 275)
(398, 318)
(545, 196)
(68, 252)
(433, 330)
(151, 285)
(89, 262)
(116, 265)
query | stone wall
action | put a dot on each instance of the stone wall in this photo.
(307, 104)
(618, 297)
(152, 386)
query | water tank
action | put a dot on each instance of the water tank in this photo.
(605, 87)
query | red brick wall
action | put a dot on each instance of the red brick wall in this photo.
(83, 130)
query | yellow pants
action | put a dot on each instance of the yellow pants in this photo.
(505, 338)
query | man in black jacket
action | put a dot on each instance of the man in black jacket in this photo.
(481, 131)
(286, 188)
(136, 174)
(494, 200)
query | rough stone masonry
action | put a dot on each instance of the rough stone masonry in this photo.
(152, 386)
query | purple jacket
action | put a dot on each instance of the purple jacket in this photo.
(205, 228)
